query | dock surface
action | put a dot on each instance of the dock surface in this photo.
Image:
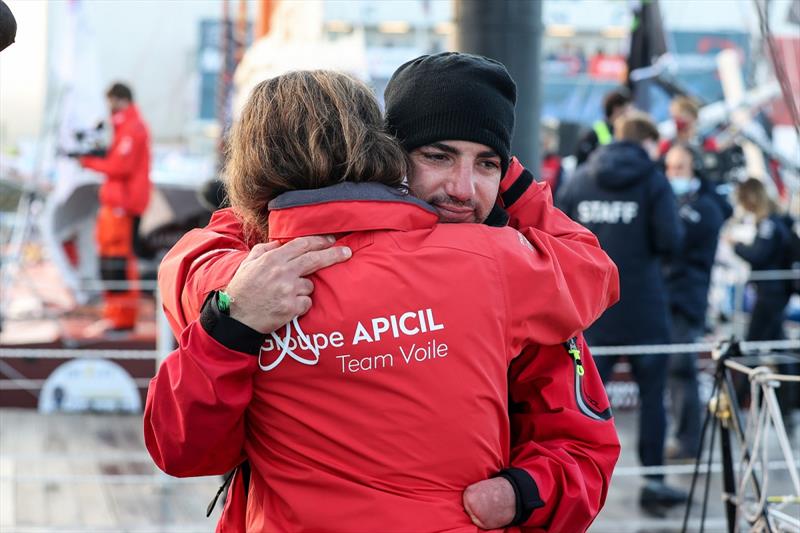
(91, 473)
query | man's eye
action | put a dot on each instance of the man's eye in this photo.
(434, 157)
(490, 164)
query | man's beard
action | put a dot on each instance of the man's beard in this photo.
(455, 211)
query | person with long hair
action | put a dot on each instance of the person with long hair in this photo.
(767, 252)
(385, 405)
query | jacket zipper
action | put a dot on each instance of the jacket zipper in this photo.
(575, 353)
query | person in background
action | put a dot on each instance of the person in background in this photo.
(766, 252)
(124, 195)
(622, 197)
(769, 251)
(615, 104)
(688, 276)
(552, 171)
(685, 112)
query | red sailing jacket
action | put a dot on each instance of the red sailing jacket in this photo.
(127, 165)
(560, 430)
(205, 259)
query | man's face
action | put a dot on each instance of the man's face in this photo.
(116, 104)
(460, 179)
(684, 122)
(678, 164)
(620, 111)
(651, 147)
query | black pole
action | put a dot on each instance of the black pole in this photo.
(728, 482)
(509, 31)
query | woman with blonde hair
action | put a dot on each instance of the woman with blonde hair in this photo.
(770, 250)
(767, 252)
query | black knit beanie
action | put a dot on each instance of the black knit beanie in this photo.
(8, 26)
(452, 96)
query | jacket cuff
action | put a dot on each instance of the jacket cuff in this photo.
(517, 189)
(228, 331)
(526, 492)
(498, 217)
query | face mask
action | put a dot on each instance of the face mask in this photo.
(681, 124)
(681, 185)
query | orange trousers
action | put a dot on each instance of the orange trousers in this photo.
(114, 233)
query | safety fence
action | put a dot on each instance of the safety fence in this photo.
(165, 341)
(623, 394)
(597, 351)
(750, 499)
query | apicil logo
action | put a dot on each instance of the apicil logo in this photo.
(288, 344)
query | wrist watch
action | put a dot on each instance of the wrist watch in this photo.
(224, 302)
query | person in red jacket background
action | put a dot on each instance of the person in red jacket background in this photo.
(124, 195)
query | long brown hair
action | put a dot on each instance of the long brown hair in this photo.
(306, 130)
(752, 196)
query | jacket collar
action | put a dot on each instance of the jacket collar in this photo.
(344, 208)
(126, 115)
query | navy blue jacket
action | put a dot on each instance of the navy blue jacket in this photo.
(621, 196)
(768, 252)
(688, 273)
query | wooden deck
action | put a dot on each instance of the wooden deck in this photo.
(42, 316)
(84, 473)
(91, 473)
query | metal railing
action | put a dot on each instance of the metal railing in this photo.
(165, 343)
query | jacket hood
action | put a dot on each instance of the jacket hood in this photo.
(620, 165)
(344, 208)
(711, 190)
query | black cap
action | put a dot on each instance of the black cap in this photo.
(8, 26)
(452, 96)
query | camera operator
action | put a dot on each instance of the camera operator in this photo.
(124, 195)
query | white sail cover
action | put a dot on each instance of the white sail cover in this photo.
(297, 42)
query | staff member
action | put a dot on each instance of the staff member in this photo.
(621, 196)
(767, 252)
(124, 195)
(615, 104)
(688, 274)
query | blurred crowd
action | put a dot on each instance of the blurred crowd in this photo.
(572, 60)
(659, 210)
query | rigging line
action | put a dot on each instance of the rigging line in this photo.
(778, 65)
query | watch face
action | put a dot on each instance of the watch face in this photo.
(223, 303)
